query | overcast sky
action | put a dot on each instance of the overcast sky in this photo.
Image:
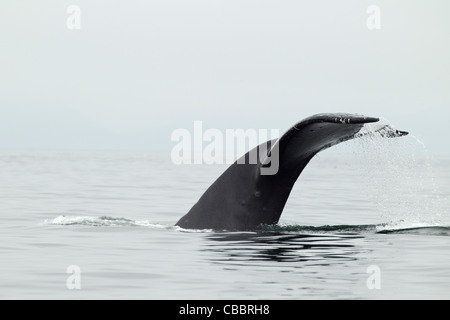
(137, 70)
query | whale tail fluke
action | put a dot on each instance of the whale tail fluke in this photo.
(247, 194)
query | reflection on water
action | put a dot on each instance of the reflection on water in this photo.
(300, 246)
(263, 248)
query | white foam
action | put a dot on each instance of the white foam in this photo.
(114, 222)
(101, 221)
(401, 225)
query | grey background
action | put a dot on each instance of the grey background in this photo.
(137, 70)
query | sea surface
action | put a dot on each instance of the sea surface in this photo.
(365, 220)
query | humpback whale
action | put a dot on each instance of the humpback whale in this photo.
(244, 198)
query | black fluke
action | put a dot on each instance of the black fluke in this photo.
(253, 193)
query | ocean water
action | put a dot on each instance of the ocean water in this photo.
(366, 220)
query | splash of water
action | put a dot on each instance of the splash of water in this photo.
(100, 222)
(105, 221)
(400, 177)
